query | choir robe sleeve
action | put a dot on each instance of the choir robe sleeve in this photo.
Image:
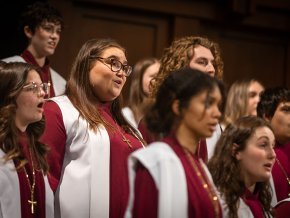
(146, 195)
(55, 137)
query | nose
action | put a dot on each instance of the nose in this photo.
(210, 69)
(272, 153)
(121, 73)
(217, 113)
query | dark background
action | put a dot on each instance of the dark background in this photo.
(254, 35)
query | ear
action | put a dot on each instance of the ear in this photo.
(28, 32)
(175, 107)
(235, 153)
(267, 118)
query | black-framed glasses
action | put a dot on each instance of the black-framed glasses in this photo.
(37, 88)
(116, 65)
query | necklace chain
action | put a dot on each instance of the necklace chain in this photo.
(126, 140)
(284, 172)
(206, 184)
(32, 201)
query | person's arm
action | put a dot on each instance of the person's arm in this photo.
(146, 195)
(55, 137)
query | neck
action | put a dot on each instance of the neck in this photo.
(187, 138)
(40, 59)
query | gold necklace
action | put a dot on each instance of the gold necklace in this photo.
(284, 172)
(205, 183)
(32, 201)
(126, 140)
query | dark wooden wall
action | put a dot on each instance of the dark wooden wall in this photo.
(254, 35)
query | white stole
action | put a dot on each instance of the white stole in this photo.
(84, 188)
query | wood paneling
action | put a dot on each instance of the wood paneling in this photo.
(255, 44)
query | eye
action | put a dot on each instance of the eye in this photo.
(115, 63)
(202, 61)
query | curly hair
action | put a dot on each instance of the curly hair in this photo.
(160, 118)
(179, 55)
(13, 77)
(225, 168)
(35, 14)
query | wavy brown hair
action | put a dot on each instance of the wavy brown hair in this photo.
(225, 168)
(80, 91)
(179, 55)
(12, 79)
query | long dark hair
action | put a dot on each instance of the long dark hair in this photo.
(182, 85)
(12, 79)
(224, 167)
(79, 89)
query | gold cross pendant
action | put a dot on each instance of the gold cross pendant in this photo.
(127, 141)
(33, 203)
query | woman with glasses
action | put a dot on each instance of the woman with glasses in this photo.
(90, 138)
(24, 188)
(41, 25)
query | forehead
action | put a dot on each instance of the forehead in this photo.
(201, 51)
(56, 24)
(114, 51)
(255, 85)
(263, 132)
(33, 76)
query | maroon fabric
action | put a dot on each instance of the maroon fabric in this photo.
(145, 202)
(55, 135)
(45, 69)
(201, 150)
(25, 194)
(148, 136)
(251, 199)
(200, 205)
(281, 184)
(282, 209)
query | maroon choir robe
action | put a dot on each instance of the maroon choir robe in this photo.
(253, 202)
(149, 137)
(39, 193)
(55, 135)
(146, 193)
(282, 187)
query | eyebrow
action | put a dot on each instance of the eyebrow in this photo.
(117, 58)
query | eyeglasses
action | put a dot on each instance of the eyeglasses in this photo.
(37, 88)
(116, 65)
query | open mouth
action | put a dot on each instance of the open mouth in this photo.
(40, 105)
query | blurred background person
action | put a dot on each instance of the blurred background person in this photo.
(90, 138)
(168, 179)
(241, 168)
(242, 100)
(143, 72)
(42, 25)
(274, 107)
(24, 188)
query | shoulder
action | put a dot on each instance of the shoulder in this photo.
(15, 58)
(155, 154)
